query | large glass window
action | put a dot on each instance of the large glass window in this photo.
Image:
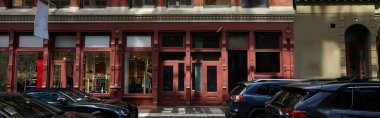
(205, 41)
(138, 72)
(3, 71)
(60, 3)
(29, 70)
(22, 3)
(143, 3)
(96, 72)
(254, 3)
(267, 47)
(217, 3)
(97, 41)
(180, 3)
(93, 3)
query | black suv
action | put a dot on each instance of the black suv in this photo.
(73, 100)
(247, 99)
(325, 100)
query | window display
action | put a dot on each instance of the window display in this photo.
(138, 72)
(96, 67)
(29, 70)
(3, 71)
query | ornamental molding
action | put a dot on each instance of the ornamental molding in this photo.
(151, 18)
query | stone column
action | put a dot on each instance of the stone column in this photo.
(11, 80)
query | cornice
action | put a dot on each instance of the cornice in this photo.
(148, 18)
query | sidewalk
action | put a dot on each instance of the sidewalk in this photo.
(182, 112)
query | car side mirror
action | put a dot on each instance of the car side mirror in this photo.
(62, 101)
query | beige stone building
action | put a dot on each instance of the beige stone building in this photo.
(335, 38)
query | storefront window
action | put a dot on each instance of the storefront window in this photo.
(217, 3)
(180, 3)
(22, 3)
(4, 41)
(29, 70)
(138, 72)
(143, 3)
(254, 3)
(3, 71)
(96, 72)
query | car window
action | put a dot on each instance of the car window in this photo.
(274, 89)
(262, 90)
(46, 96)
(22, 107)
(238, 90)
(289, 98)
(358, 98)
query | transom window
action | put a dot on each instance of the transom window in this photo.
(93, 3)
(205, 40)
(173, 41)
(180, 3)
(217, 3)
(254, 3)
(22, 3)
(143, 3)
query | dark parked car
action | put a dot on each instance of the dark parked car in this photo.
(247, 99)
(73, 100)
(326, 100)
(16, 106)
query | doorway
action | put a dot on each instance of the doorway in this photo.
(237, 67)
(356, 40)
(172, 81)
(206, 83)
(62, 75)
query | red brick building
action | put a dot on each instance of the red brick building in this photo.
(147, 52)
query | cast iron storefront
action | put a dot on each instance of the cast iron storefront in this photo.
(147, 63)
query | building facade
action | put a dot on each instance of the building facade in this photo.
(147, 52)
(336, 38)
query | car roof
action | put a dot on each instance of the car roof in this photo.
(4, 94)
(328, 85)
(48, 89)
(282, 81)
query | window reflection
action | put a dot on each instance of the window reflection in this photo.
(96, 72)
(138, 72)
(29, 70)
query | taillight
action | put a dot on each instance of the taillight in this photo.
(294, 114)
(237, 98)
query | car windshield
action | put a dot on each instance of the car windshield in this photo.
(79, 96)
(18, 106)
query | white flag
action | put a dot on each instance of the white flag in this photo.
(41, 20)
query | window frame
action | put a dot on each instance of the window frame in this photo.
(127, 70)
(237, 48)
(217, 6)
(180, 6)
(268, 74)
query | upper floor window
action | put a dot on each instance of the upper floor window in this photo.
(217, 3)
(143, 3)
(254, 3)
(60, 3)
(93, 3)
(180, 3)
(21, 3)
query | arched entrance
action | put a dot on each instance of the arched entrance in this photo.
(356, 40)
